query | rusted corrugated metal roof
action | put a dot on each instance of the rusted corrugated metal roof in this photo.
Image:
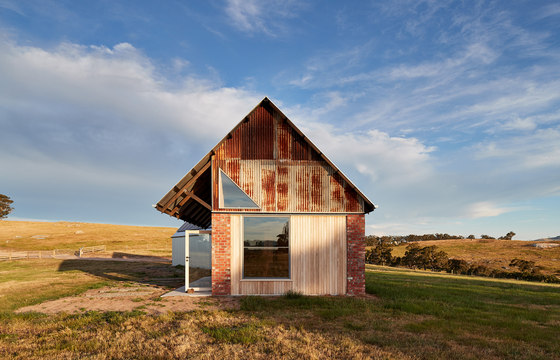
(273, 175)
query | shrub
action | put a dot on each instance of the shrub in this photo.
(457, 266)
(292, 294)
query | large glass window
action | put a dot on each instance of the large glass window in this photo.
(231, 195)
(266, 252)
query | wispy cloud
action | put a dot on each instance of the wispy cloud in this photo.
(485, 209)
(254, 16)
(548, 11)
(12, 6)
(527, 152)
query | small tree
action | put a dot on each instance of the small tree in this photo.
(457, 266)
(470, 237)
(525, 266)
(5, 206)
(380, 254)
(433, 259)
(412, 255)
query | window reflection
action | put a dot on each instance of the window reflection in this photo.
(266, 247)
(233, 196)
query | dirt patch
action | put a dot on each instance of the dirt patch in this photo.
(145, 298)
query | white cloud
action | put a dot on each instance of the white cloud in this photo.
(257, 16)
(520, 124)
(541, 149)
(485, 209)
(374, 154)
(73, 80)
(79, 113)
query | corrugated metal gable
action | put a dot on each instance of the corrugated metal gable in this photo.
(276, 165)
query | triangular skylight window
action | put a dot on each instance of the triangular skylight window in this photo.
(231, 195)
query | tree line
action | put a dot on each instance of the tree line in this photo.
(431, 258)
(371, 240)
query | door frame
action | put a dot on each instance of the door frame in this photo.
(187, 257)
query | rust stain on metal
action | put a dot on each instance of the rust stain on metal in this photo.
(282, 199)
(316, 189)
(275, 164)
(336, 195)
(302, 195)
(299, 147)
(257, 135)
(284, 140)
(351, 198)
(280, 170)
(268, 190)
(248, 180)
(232, 169)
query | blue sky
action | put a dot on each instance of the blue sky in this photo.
(446, 114)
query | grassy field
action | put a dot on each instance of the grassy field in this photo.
(28, 282)
(496, 254)
(410, 314)
(34, 235)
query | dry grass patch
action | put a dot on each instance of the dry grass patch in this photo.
(29, 282)
(414, 314)
(496, 254)
(195, 335)
(33, 235)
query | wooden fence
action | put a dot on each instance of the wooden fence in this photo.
(91, 249)
(6, 255)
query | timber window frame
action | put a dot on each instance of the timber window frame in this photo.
(279, 255)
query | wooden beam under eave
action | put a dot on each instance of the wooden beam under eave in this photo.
(202, 202)
(176, 209)
(195, 214)
(189, 183)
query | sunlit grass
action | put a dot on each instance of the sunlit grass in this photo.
(28, 282)
(416, 314)
(495, 254)
(34, 235)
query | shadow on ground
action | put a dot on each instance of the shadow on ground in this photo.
(158, 273)
(137, 257)
(151, 273)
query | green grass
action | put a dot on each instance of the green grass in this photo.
(504, 318)
(29, 282)
(416, 314)
(433, 316)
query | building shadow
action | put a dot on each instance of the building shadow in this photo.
(134, 270)
(137, 257)
(131, 268)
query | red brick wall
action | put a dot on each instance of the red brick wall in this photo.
(221, 252)
(355, 235)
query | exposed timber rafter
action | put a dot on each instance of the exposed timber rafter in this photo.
(191, 181)
(189, 195)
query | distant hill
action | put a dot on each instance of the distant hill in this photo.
(556, 238)
(496, 254)
(33, 235)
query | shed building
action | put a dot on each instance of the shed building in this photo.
(282, 215)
